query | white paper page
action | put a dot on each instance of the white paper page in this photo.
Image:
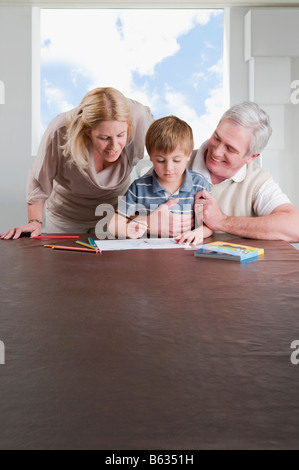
(141, 244)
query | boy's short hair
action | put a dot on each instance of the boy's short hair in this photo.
(168, 133)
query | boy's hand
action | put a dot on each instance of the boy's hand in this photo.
(136, 230)
(192, 237)
(166, 224)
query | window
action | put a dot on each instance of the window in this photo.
(170, 60)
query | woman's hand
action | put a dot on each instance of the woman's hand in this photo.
(34, 228)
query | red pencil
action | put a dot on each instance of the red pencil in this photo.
(72, 248)
(56, 236)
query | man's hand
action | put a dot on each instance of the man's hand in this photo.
(213, 216)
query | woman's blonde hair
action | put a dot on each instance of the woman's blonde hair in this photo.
(101, 104)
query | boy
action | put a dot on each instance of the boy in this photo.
(169, 186)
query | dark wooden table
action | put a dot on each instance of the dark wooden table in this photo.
(148, 349)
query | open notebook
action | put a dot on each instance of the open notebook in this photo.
(141, 244)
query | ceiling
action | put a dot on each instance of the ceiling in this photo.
(148, 4)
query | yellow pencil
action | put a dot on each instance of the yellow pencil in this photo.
(87, 245)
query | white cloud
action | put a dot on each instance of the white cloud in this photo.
(217, 68)
(157, 34)
(54, 95)
(215, 107)
(104, 42)
(203, 126)
(209, 45)
(55, 99)
(199, 77)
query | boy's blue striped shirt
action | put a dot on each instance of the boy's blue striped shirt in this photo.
(148, 193)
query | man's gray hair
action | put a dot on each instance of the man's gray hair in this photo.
(250, 115)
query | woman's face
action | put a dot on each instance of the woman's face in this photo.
(109, 139)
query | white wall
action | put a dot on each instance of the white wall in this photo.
(15, 114)
(289, 156)
(238, 67)
(263, 63)
(271, 50)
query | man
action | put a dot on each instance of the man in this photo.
(245, 201)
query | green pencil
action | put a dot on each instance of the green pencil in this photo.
(92, 242)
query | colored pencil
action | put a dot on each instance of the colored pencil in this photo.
(56, 236)
(72, 248)
(92, 242)
(87, 245)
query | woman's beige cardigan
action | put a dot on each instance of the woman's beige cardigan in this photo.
(73, 193)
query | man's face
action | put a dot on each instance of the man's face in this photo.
(227, 150)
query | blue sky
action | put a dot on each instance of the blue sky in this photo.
(171, 60)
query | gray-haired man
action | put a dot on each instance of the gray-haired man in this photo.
(245, 201)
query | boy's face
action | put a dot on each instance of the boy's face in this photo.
(170, 168)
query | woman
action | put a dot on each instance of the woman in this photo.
(85, 159)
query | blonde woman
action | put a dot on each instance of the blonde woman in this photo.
(85, 159)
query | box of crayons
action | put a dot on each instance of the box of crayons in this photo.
(229, 251)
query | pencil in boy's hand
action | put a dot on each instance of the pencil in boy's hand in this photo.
(131, 219)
